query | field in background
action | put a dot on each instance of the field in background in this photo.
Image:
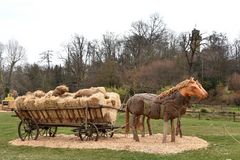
(216, 132)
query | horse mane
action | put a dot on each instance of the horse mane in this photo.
(176, 88)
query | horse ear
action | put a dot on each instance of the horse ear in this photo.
(191, 78)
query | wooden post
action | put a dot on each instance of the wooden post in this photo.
(234, 117)
(199, 115)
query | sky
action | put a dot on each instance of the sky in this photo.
(40, 25)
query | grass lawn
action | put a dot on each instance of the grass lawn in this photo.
(222, 146)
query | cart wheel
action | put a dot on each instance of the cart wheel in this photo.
(88, 132)
(28, 129)
(52, 131)
(43, 131)
(109, 132)
(48, 131)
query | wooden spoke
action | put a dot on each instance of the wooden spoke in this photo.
(88, 132)
(28, 129)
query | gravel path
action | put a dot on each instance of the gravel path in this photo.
(148, 144)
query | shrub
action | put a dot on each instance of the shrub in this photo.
(123, 92)
(204, 110)
(234, 82)
(164, 89)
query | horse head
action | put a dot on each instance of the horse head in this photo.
(194, 89)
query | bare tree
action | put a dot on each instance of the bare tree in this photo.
(190, 46)
(76, 59)
(110, 46)
(147, 41)
(15, 53)
(216, 55)
(47, 56)
(1, 69)
(236, 54)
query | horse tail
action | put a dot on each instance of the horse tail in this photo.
(127, 120)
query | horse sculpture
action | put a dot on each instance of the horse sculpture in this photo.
(167, 106)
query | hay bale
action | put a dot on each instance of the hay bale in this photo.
(49, 94)
(29, 102)
(59, 90)
(39, 103)
(90, 91)
(29, 93)
(96, 99)
(39, 93)
(67, 94)
(113, 100)
(19, 102)
(51, 102)
(100, 89)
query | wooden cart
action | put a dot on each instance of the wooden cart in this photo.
(88, 122)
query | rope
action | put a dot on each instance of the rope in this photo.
(231, 135)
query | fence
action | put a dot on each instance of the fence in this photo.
(233, 115)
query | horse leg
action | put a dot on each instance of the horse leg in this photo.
(178, 127)
(143, 126)
(165, 128)
(172, 131)
(149, 126)
(134, 127)
(180, 130)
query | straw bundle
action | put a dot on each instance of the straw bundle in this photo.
(90, 91)
(67, 94)
(50, 102)
(59, 90)
(19, 102)
(29, 101)
(110, 115)
(49, 94)
(38, 93)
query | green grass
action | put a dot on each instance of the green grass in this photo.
(222, 146)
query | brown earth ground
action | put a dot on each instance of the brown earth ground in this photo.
(148, 144)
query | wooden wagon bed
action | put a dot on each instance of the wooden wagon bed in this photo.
(88, 122)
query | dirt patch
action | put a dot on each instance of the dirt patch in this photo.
(148, 144)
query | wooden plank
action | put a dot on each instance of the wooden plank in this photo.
(50, 118)
(89, 112)
(80, 117)
(60, 119)
(44, 118)
(74, 117)
(34, 116)
(69, 117)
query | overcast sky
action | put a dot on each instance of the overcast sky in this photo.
(40, 25)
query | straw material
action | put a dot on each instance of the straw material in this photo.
(39, 93)
(59, 90)
(60, 98)
(90, 91)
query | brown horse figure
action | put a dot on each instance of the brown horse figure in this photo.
(148, 101)
(167, 106)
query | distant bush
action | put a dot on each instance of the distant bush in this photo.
(164, 89)
(204, 110)
(234, 82)
(123, 92)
